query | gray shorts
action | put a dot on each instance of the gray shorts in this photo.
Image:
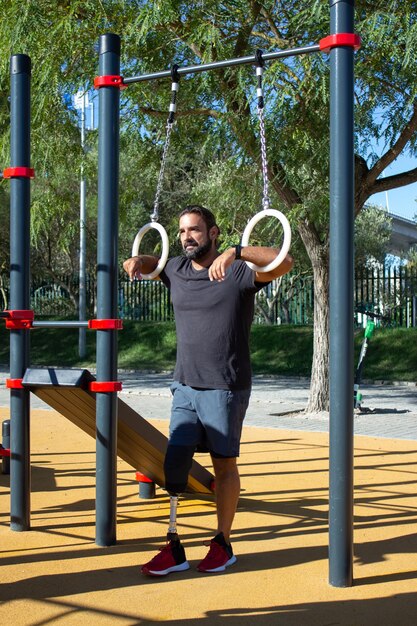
(210, 419)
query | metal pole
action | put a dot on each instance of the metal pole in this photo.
(57, 324)
(82, 312)
(205, 67)
(341, 298)
(20, 73)
(107, 288)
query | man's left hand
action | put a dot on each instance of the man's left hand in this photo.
(217, 270)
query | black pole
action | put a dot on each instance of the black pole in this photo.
(20, 73)
(341, 298)
(107, 289)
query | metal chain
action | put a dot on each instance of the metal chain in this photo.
(155, 213)
(265, 193)
(259, 73)
(170, 123)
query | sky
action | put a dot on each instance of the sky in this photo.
(401, 201)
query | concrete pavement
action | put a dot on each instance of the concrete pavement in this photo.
(278, 403)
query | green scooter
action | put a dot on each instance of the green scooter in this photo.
(357, 396)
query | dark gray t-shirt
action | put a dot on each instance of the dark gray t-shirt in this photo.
(213, 322)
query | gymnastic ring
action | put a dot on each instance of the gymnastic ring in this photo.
(285, 244)
(165, 247)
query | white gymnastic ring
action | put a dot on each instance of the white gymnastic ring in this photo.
(165, 247)
(285, 244)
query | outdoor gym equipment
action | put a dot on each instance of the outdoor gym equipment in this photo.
(71, 393)
(155, 214)
(267, 211)
(90, 403)
(340, 44)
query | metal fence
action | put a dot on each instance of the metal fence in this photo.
(387, 295)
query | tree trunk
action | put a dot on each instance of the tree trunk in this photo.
(318, 254)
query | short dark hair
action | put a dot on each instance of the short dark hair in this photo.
(207, 215)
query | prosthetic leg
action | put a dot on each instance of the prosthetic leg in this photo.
(171, 558)
(177, 465)
(173, 507)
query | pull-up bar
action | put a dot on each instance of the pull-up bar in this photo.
(325, 45)
(206, 67)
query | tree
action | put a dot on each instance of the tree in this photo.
(412, 258)
(372, 236)
(217, 109)
(297, 105)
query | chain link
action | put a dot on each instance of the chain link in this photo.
(265, 194)
(155, 213)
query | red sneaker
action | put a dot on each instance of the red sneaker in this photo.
(218, 557)
(170, 558)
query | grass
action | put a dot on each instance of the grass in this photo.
(276, 350)
(391, 355)
(282, 350)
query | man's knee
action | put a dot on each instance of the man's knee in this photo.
(177, 465)
(225, 467)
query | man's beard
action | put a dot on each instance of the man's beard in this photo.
(198, 252)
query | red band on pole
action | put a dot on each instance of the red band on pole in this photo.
(4, 451)
(19, 172)
(14, 383)
(95, 386)
(350, 40)
(141, 478)
(18, 324)
(109, 81)
(19, 320)
(110, 324)
(20, 314)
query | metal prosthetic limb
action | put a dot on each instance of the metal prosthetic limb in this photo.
(177, 464)
(172, 530)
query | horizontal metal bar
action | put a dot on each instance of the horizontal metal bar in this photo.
(204, 67)
(64, 324)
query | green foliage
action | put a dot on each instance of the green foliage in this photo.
(412, 257)
(372, 235)
(276, 350)
(217, 142)
(386, 86)
(217, 129)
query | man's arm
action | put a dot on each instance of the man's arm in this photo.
(138, 265)
(260, 255)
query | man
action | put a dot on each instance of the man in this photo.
(213, 298)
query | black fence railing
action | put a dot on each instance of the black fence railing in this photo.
(389, 296)
(144, 300)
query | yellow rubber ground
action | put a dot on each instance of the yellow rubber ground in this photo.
(55, 574)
